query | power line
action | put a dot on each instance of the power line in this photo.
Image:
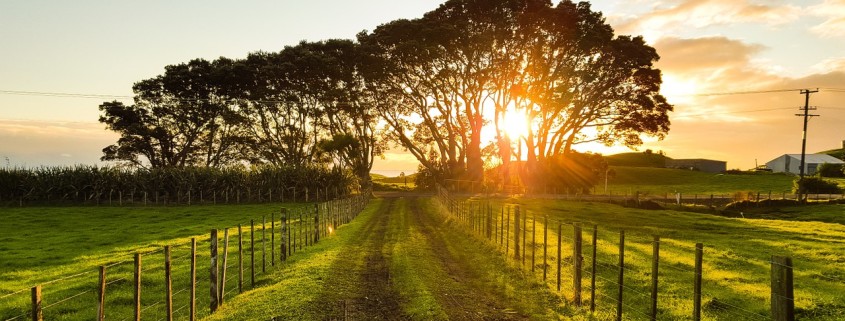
(731, 93)
(734, 112)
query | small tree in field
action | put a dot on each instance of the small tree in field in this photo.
(816, 185)
(831, 170)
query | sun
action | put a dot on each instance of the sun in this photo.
(514, 124)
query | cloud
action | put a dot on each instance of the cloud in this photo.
(709, 65)
(834, 12)
(679, 15)
(36, 143)
(830, 65)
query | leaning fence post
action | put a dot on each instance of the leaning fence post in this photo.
(168, 285)
(224, 266)
(137, 283)
(101, 307)
(213, 272)
(783, 304)
(621, 275)
(699, 253)
(37, 315)
(577, 262)
(655, 260)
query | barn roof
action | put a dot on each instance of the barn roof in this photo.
(817, 158)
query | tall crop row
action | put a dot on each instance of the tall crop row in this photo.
(85, 184)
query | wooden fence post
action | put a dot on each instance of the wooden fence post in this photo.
(577, 262)
(137, 283)
(783, 299)
(593, 270)
(168, 285)
(263, 244)
(252, 252)
(524, 236)
(502, 228)
(101, 306)
(489, 222)
(273, 239)
(545, 246)
(193, 304)
(316, 223)
(37, 314)
(283, 256)
(559, 252)
(506, 236)
(655, 261)
(213, 304)
(621, 278)
(699, 253)
(533, 243)
(224, 266)
(516, 234)
(240, 260)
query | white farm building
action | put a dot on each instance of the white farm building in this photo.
(791, 163)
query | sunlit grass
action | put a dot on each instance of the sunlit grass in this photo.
(736, 259)
(58, 242)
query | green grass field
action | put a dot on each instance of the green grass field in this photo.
(658, 181)
(56, 242)
(423, 263)
(736, 258)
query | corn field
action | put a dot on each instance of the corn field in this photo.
(93, 185)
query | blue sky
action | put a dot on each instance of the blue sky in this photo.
(103, 47)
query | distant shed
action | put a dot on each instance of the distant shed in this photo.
(699, 164)
(791, 163)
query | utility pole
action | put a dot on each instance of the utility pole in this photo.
(806, 115)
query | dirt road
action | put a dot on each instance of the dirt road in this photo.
(408, 263)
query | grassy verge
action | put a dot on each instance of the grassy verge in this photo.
(297, 285)
(736, 259)
(829, 213)
(68, 243)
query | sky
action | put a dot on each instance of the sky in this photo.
(707, 47)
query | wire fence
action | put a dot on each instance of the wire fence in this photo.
(600, 271)
(162, 284)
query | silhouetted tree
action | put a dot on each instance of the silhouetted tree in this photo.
(180, 118)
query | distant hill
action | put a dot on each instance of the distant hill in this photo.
(838, 153)
(637, 160)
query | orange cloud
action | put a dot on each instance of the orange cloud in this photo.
(834, 12)
(679, 15)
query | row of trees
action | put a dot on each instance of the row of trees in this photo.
(430, 85)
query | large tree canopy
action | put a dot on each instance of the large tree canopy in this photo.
(181, 118)
(440, 86)
(561, 66)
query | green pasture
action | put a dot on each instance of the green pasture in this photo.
(53, 243)
(737, 254)
(659, 181)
